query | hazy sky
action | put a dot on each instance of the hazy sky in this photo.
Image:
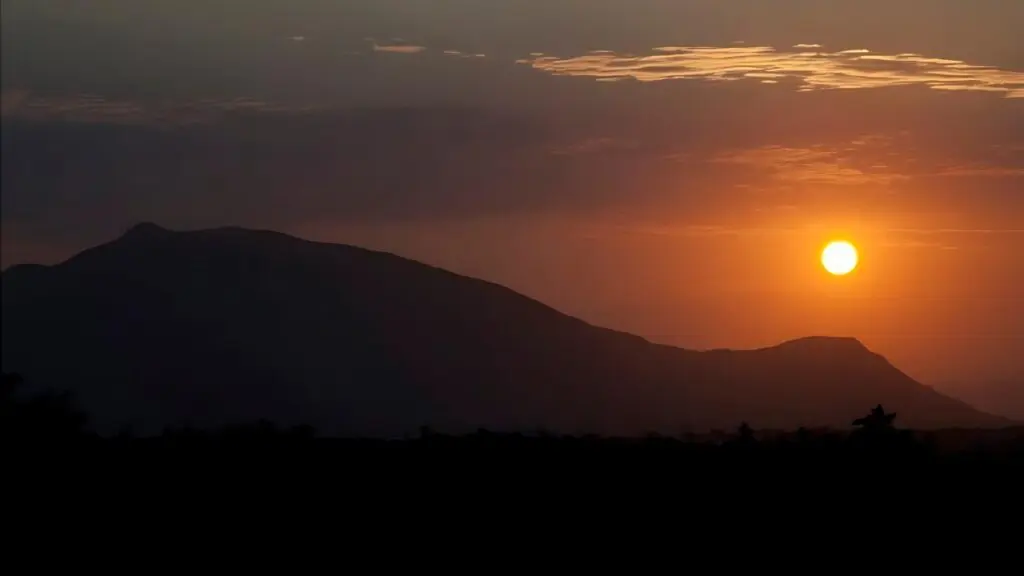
(667, 167)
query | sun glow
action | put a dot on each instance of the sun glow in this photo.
(839, 258)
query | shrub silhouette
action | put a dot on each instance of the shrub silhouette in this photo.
(877, 421)
(53, 417)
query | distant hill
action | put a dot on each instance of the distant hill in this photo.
(219, 326)
(1002, 397)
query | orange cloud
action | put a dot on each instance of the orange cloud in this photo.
(983, 170)
(811, 70)
(895, 235)
(398, 48)
(817, 165)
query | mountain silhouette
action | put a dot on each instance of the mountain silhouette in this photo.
(213, 327)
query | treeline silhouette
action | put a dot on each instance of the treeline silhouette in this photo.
(53, 418)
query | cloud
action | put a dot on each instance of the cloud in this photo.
(930, 231)
(12, 100)
(24, 105)
(366, 165)
(243, 162)
(983, 170)
(812, 165)
(896, 237)
(460, 54)
(811, 70)
(807, 46)
(397, 46)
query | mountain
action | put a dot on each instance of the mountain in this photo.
(1004, 397)
(217, 326)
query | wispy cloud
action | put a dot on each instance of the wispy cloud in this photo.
(460, 54)
(928, 231)
(982, 170)
(12, 100)
(812, 165)
(810, 69)
(95, 108)
(396, 46)
(896, 237)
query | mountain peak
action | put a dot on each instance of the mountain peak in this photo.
(826, 343)
(145, 230)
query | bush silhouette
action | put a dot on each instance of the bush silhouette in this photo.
(52, 417)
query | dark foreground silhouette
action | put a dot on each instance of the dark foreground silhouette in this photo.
(226, 326)
(52, 420)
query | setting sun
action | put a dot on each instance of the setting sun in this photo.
(839, 258)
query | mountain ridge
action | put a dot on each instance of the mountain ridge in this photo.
(393, 344)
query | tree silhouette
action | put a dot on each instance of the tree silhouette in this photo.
(9, 384)
(804, 436)
(746, 433)
(876, 421)
(877, 433)
(744, 440)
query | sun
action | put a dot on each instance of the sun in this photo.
(839, 258)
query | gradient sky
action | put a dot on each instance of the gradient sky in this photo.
(667, 167)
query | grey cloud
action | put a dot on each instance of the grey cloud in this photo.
(258, 164)
(362, 165)
(24, 105)
(460, 54)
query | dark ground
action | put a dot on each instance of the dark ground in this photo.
(52, 421)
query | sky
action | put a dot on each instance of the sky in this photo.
(667, 167)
